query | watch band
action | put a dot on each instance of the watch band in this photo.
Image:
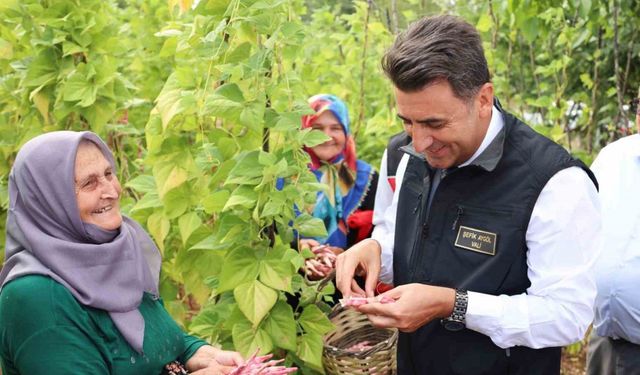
(457, 320)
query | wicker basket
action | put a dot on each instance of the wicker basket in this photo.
(353, 327)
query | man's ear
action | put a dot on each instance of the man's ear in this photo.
(484, 100)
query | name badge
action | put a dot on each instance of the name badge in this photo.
(476, 240)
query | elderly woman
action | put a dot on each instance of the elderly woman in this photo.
(347, 207)
(79, 286)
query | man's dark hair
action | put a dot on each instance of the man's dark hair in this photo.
(436, 48)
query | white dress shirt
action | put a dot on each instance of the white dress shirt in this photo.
(563, 239)
(384, 215)
(617, 313)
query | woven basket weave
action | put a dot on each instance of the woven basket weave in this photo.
(352, 328)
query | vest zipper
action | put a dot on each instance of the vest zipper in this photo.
(458, 217)
(418, 203)
(508, 350)
(417, 253)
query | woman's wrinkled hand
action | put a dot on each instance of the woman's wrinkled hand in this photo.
(323, 263)
(208, 360)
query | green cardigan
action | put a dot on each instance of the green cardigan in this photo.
(44, 330)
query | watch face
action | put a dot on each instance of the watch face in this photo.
(452, 325)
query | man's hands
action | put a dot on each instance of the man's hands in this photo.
(363, 259)
(208, 360)
(415, 306)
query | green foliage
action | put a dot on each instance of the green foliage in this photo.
(564, 66)
(224, 129)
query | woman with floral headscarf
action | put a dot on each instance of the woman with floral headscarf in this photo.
(346, 208)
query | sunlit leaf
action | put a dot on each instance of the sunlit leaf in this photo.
(247, 339)
(240, 266)
(187, 224)
(159, 227)
(255, 300)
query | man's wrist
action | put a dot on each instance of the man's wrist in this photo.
(457, 319)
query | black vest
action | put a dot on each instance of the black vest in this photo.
(394, 152)
(474, 238)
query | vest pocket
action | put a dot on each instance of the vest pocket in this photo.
(477, 229)
(476, 249)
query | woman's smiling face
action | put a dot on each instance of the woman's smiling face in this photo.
(97, 188)
(329, 125)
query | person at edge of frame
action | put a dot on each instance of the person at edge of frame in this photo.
(497, 227)
(79, 288)
(614, 346)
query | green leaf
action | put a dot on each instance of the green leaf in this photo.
(239, 54)
(247, 339)
(530, 28)
(248, 166)
(209, 243)
(99, 113)
(243, 196)
(233, 228)
(187, 224)
(310, 350)
(240, 266)
(585, 78)
(276, 274)
(266, 158)
(142, 183)
(70, 48)
(168, 176)
(6, 50)
(42, 103)
(484, 23)
(214, 203)
(287, 122)
(310, 226)
(274, 206)
(226, 102)
(176, 202)
(312, 138)
(313, 320)
(150, 200)
(255, 300)
(200, 265)
(174, 102)
(158, 227)
(78, 88)
(281, 326)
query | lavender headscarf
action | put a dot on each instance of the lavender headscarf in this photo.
(107, 270)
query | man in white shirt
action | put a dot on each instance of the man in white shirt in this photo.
(497, 227)
(615, 341)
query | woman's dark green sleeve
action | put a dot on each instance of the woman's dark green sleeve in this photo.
(191, 345)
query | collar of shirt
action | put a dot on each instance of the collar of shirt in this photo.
(495, 126)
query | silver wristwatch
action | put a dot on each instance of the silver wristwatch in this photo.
(456, 321)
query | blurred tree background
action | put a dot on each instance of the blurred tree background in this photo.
(201, 102)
